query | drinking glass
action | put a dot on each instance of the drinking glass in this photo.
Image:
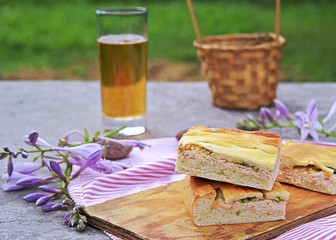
(122, 47)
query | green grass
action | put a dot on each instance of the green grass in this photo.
(43, 35)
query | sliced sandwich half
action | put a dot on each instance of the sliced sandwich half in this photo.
(309, 166)
(214, 203)
(243, 158)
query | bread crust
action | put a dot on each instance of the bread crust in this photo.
(207, 205)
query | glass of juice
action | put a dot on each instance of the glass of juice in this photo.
(122, 48)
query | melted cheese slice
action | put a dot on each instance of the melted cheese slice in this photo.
(256, 149)
(304, 154)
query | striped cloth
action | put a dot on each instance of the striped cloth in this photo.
(154, 167)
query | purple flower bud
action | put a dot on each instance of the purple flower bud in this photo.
(52, 207)
(269, 114)
(66, 202)
(10, 166)
(49, 189)
(47, 207)
(282, 108)
(73, 221)
(67, 217)
(58, 170)
(24, 155)
(43, 200)
(262, 116)
(31, 181)
(6, 149)
(33, 137)
(32, 197)
(81, 225)
(26, 167)
(39, 141)
(57, 206)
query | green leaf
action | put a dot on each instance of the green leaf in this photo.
(113, 132)
(86, 135)
(320, 119)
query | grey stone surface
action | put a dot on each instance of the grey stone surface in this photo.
(54, 107)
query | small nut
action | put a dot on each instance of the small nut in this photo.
(115, 151)
(180, 134)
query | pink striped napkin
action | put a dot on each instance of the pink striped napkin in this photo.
(154, 167)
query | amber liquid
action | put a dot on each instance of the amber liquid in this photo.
(123, 69)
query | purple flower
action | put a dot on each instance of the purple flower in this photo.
(106, 166)
(67, 136)
(91, 160)
(10, 181)
(26, 167)
(58, 170)
(308, 122)
(329, 116)
(39, 141)
(82, 150)
(32, 197)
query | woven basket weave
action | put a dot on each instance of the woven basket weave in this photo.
(242, 70)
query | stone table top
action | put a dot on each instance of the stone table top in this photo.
(55, 107)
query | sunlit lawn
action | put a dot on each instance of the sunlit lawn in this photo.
(60, 35)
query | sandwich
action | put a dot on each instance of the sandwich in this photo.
(308, 165)
(214, 203)
(235, 156)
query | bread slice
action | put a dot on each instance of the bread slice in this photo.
(230, 155)
(214, 203)
(309, 166)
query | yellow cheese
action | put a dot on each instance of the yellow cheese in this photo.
(278, 193)
(248, 148)
(234, 193)
(304, 154)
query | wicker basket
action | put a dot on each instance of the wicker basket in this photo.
(242, 70)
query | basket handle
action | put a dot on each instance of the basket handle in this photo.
(193, 19)
(198, 33)
(277, 20)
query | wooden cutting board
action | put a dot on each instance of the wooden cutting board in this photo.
(159, 213)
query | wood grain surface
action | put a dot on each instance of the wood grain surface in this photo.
(159, 213)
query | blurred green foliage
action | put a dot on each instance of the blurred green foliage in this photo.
(40, 35)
